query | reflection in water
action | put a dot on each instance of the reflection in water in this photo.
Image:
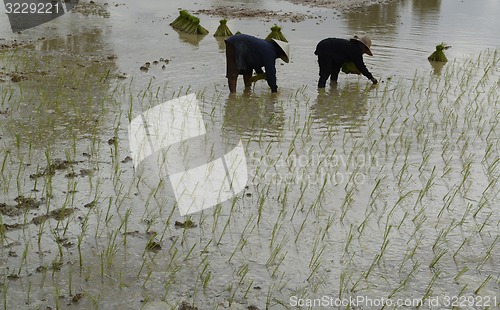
(221, 43)
(437, 66)
(67, 81)
(88, 42)
(194, 39)
(341, 106)
(387, 16)
(426, 7)
(248, 114)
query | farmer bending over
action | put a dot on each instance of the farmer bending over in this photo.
(334, 52)
(245, 53)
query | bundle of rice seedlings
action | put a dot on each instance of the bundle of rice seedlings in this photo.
(276, 34)
(257, 77)
(439, 55)
(223, 29)
(188, 23)
(180, 20)
(350, 68)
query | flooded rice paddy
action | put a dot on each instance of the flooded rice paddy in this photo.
(359, 196)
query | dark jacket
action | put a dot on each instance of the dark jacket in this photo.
(341, 51)
(254, 53)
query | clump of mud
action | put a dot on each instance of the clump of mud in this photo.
(147, 65)
(242, 12)
(343, 5)
(58, 214)
(83, 173)
(15, 44)
(186, 224)
(23, 204)
(60, 164)
(186, 306)
(18, 76)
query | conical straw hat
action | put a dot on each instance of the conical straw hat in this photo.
(366, 42)
(285, 47)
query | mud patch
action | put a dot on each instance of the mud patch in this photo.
(83, 173)
(58, 164)
(243, 12)
(147, 65)
(92, 8)
(58, 214)
(186, 306)
(342, 5)
(15, 44)
(186, 224)
(90, 205)
(23, 204)
(153, 246)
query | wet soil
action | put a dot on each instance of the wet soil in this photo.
(23, 204)
(342, 111)
(186, 224)
(262, 14)
(343, 5)
(87, 8)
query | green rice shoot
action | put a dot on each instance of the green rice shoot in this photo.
(223, 30)
(276, 34)
(438, 54)
(188, 23)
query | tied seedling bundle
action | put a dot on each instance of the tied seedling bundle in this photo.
(223, 29)
(188, 23)
(257, 77)
(439, 55)
(276, 34)
(350, 68)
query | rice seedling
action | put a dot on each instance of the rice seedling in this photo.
(188, 23)
(223, 30)
(438, 54)
(431, 189)
(276, 34)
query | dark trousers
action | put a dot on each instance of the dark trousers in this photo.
(328, 68)
(232, 70)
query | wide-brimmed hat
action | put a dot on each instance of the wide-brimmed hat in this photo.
(367, 42)
(285, 48)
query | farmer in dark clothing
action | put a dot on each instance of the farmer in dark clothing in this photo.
(333, 52)
(245, 53)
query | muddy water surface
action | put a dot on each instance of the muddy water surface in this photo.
(355, 191)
